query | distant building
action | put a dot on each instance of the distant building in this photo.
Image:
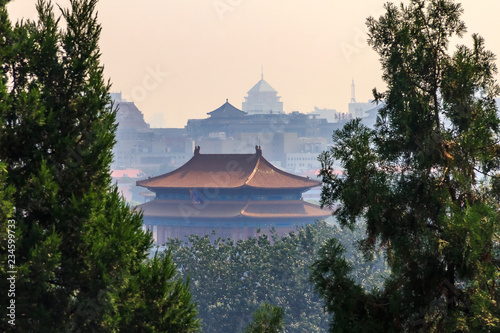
(331, 115)
(356, 109)
(262, 99)
(230, 130)
(125, 180)
(138, 146)
(302, 162)
(133, 136)
(233, 194)
(117, 97)
(372, 114)
(291, 140)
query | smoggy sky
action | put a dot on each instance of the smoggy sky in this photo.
(179, 59)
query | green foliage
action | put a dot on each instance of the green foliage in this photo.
(6, 227)
(80, 251)
(159, 303)
(267, 319)
(5, 201)
(230, 280)
(424, 181)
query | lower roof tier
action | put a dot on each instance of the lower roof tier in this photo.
(187, 209)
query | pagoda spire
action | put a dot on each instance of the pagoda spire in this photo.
(262, 72)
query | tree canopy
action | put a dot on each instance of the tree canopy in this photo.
(81, 257)
(230, 280)
(267, 319)
(424, 181)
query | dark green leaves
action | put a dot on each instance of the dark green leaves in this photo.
(267, 319)
(423, 181)
(81, 255)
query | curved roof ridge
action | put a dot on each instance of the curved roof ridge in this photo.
(176, 178)
(139, 182)
(227, 109)
(312, 182)
(242, 211)
(254, 170)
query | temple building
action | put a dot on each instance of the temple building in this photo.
(262, 99)
(235, 195)
(231, 130)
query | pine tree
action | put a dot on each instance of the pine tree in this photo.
(80, 250)
(267, 319)
(424, 181)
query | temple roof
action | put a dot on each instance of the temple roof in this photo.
(262, 86)
(227, 110)
(228, 171)
(233, 209)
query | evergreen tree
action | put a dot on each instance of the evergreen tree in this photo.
(81, 255)
(7, 245)
(267, 319)
(425, 182)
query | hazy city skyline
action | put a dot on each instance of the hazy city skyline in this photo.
(182, 59)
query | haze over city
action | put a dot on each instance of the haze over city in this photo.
(181, 59)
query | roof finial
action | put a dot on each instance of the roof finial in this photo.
(258, 150)
(262, 72)
(197, 150)
(227, 100)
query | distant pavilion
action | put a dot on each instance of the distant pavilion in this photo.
(234, 195)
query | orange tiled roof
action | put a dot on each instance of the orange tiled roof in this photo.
(228, 171)
(232, 209)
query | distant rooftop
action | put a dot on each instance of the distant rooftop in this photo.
(262, 86)
(117, 97)
(129, 117)
(227, 110)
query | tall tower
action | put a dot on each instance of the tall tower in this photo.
(357, 109)
(353, 92)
